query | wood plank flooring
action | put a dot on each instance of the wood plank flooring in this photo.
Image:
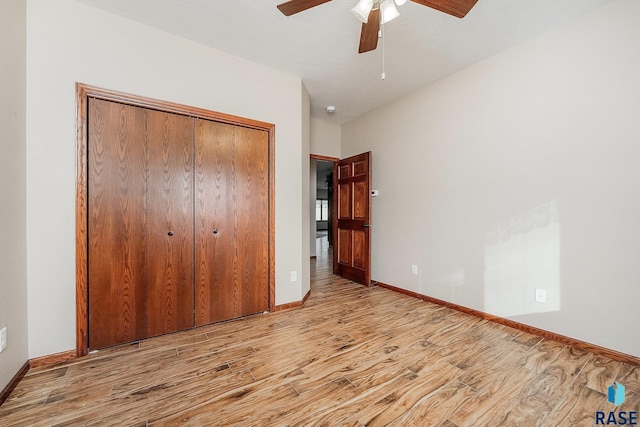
(352, 356)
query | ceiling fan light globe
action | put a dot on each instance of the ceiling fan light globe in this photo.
(388, 11)
(362, 10)
(400, 2)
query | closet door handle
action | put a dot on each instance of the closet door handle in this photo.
(215, 231)
(170, 233)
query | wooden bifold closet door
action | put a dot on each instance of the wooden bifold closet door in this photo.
(178, 222)
(232, 227)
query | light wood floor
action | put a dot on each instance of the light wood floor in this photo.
(351, 356)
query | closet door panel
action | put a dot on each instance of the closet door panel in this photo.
(169, 207)
(252, 219)
(215, 259)
(116, 224)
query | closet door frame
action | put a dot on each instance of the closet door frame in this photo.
(83, 93)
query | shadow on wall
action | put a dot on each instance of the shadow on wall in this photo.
(501, 270)
(521, 256)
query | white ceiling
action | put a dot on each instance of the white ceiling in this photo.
(320, 45)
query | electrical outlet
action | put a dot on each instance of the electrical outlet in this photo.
(3, 338)
(414, 270)
(541, 295)
(294, 276)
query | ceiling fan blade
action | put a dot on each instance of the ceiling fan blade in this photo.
(457, 8)
(295, 6)
(369, 34)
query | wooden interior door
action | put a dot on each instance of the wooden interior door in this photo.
(169, 232)
(117, 284)
(252, 220)
(175, 218)
(215, 256)
(352, 218)
(140, 223)
(232, 221)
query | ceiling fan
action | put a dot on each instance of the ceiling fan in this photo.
(373, 13)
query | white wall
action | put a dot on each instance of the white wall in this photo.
(70, 42)
(518, 173)
(325, 141)
(306, 194)
(325, 138)
(13, 187)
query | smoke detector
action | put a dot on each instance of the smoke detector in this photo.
(331, 109)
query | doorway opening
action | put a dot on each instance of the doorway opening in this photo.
(321, 220)
(347, 244)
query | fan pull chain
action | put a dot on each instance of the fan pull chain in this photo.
(381, 36)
